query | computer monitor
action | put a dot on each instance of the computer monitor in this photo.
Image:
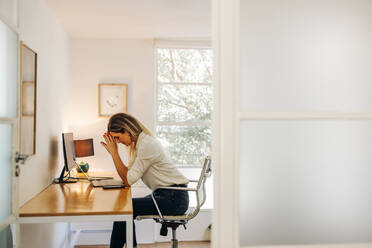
(69, 161)
(68, 150)
(68, 156)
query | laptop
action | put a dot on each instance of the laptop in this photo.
(105, 183)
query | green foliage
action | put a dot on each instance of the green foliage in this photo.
(185, 65)
(185, 104)
(187, 145)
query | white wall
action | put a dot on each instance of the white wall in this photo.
(95, 61)
(9, 12)
(305, 181)
(41, 31)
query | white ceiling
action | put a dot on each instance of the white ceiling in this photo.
(134, 18)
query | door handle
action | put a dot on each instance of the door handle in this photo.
(20, 158)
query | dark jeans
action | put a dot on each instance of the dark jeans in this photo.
(170, 202)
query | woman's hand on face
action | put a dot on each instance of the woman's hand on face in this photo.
(110, 145)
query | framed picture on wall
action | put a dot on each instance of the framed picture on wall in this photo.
(112, 99)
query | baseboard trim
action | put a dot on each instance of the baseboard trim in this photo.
(356, 245)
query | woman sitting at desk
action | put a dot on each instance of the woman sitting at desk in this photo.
(147, 161)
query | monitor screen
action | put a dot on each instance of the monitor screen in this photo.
(68, 150)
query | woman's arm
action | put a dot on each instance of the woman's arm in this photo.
(112, 147)
(120, 167)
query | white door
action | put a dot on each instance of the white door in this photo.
(9, 120)
(305, 129)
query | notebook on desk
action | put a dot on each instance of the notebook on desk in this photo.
(102, 183)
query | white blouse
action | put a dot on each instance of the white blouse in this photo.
(153, 166)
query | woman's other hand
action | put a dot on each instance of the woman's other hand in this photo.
(110, 145)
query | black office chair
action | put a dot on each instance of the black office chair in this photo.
(175, 221)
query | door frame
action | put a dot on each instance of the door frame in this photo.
(12, 220)
(225, 29)
(13, 217)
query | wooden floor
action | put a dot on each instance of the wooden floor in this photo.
(198, 244)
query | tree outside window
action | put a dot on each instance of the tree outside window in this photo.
(184, 104)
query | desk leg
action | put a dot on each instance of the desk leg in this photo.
(15, 227)
(129, 224)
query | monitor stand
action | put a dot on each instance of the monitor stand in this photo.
(63, 179)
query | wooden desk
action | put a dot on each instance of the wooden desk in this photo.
(78, 202)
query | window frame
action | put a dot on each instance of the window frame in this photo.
(179, 44)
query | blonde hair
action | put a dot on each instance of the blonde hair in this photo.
(121, 122)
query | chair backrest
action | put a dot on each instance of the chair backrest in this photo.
(200, 188)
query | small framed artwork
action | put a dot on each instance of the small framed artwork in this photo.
(112, 99)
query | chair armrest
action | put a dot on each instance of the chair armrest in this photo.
(171, 188)
(178, 188)
(156, 205)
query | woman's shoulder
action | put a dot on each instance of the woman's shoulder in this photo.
(149, 144)
(148, 139)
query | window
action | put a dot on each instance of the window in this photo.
(184, 103)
